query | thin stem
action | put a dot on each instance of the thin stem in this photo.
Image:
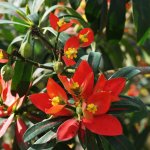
(36, 31)
(56, 42)
(15, 53)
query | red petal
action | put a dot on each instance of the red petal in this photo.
(65, 81)
(68, 62)
(6, 123)
(90, 36)
(72, 42)
(67, 130)
(3, 60)
(41, 101)
(54, 89)
(53, 21)
(102, 100)
(20, 130)
(65, 27)
(64, 112)
(100, 84)
(115, 85)
(82, 72)
(87, 85)
(6, 146)
(54, 109)
(106, 125)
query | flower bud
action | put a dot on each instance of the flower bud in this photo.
(79, 110)
(58, 67)
(7, 72)
(26, 49)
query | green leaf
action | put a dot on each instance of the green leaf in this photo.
(141, 16)
(141, 138)
(13, 10)
(75, 3)
(13, 22)
(127, 104)
(15, 40)
(126, 72)
(96, 12)
(45, 146)
(21, 79)
(41, 127)
(46, 141)
(116, 20)
(120, 143)
(94, 61)
(36, 6)
(62, 37)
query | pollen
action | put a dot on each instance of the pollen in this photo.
(91, 108)
(61, 22)
(83, 38)
(1, 55)
(56, 101)
(71, 53)
(75, 85)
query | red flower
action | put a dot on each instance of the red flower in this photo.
(82, 81)
(114, 86)
(92, 104)
(71, 50)
(19, 132)
(53, 102)
(10, 103)
(94, 118)
(86, 37)
(58, 24)
(3, 56)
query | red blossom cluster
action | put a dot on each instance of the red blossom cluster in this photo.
(90, 105)
(83, 39)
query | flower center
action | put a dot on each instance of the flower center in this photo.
(61, 22)
(1, 55)
(56, 100)
(91, 108)
(83, 38)
(71, 53)
(75, 85)
(76, 88)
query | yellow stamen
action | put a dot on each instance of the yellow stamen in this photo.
(71, 53)
(83, 38)
(1, 55)
(56, 101)
(61, 22)
(75, 85)
(91, 108)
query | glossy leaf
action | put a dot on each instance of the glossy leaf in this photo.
(94, 61)
(36, 5)
(126, 72)
(116, 20)
(75, 3)
(141, 17)
(96, 13)
(21, 80)
(127, 104)
(41, 127)
(120, 143)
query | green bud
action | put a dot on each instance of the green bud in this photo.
(26, 49)
(79, 110)
(58, 67)
(7, 72)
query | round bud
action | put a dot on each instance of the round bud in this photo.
(79, 110)
(7, 72)
(26, 49)
(58, 67)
